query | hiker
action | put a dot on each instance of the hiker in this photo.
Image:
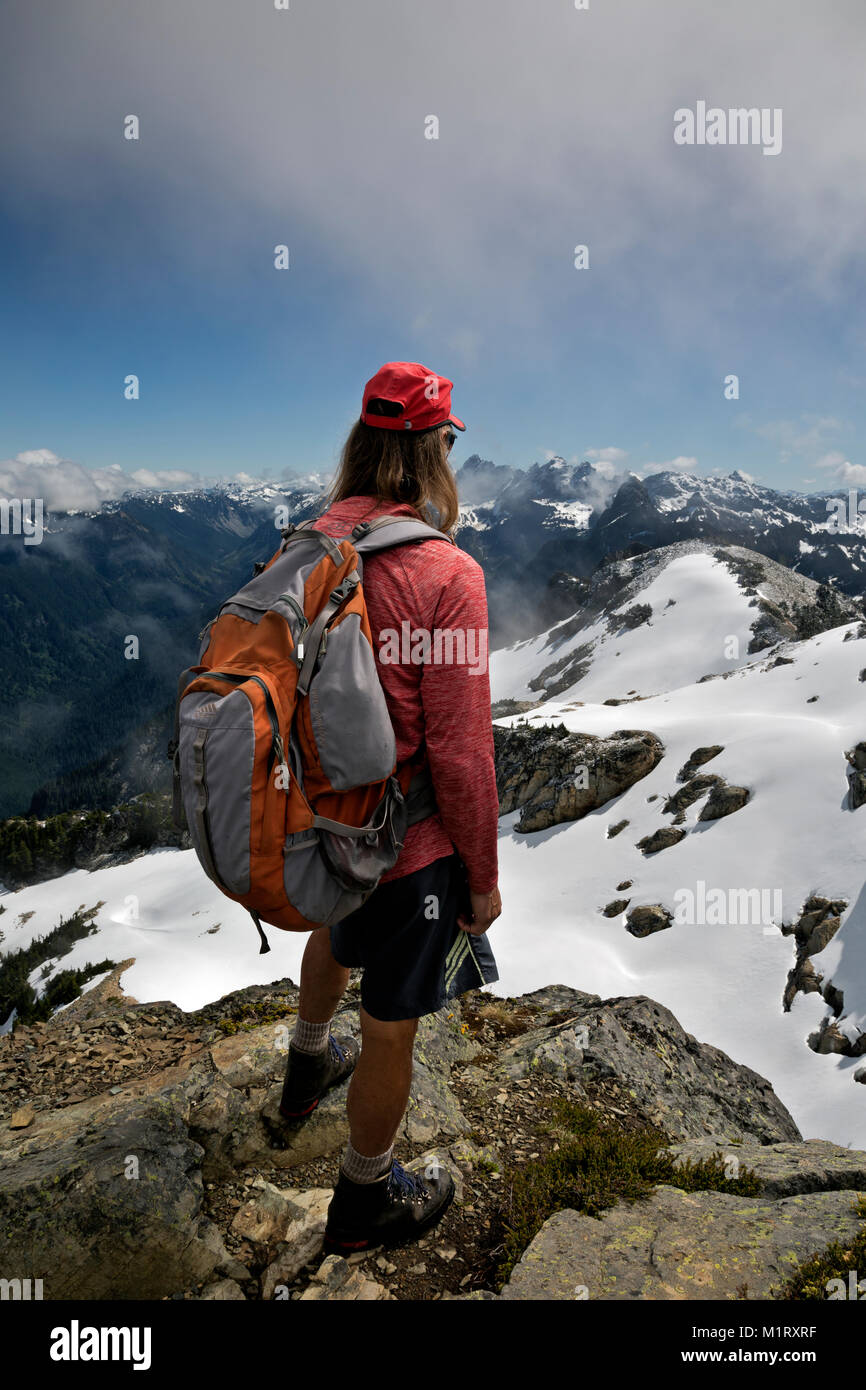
(420, 936)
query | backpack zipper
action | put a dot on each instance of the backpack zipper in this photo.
(302, 617)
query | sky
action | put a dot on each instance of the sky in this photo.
(307, 127)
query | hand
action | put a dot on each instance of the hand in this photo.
(486, 907)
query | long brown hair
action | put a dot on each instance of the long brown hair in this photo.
(399, 466)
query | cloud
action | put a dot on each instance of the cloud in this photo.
(804, 438)
(681, 464)
(64, 485)
(608, 455)
(850, 474)
(238, 103)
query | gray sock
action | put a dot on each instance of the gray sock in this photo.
(311, 1037)
(365, 1170)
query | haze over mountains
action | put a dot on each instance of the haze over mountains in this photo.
(155, 564)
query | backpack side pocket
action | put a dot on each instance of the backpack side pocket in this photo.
(357, 858)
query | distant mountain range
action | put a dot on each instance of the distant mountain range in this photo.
(536, 532)
(77, 717)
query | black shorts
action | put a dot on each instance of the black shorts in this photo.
(405, 937)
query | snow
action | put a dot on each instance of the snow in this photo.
(159, 908)
(676, 647)
(469, 516)
(575, 514)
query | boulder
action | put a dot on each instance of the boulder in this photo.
(723, 800)
(694, 789)
(108, 1204)
(661, 839)
(616, 908)
(552, 775)
(652, 917)
(856, 770)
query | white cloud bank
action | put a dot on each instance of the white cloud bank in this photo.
(848, 473)
(65, 486)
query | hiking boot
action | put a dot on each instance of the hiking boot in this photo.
(310, 1075)
(394, 1210)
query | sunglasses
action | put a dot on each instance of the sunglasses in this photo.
(450, 439)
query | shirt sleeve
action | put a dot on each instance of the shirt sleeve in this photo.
(458, 730)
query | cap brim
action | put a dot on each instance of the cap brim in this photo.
(458, 424)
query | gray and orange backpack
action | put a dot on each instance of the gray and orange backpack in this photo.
(284, 754)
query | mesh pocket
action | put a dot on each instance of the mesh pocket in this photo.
(357, 862)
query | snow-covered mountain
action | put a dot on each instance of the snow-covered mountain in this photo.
(531, 528)
(672, 616)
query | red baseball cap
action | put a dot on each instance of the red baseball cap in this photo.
(408, 396)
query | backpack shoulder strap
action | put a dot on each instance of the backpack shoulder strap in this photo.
(386, 531)
(304, 531)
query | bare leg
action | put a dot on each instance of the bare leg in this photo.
(323, 979)
(379, 1089)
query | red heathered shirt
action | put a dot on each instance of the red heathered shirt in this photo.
(444, 705)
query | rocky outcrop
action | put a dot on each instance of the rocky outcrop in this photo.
(552, 775)
(681, 1245)
(830, 1037)
(816, 926)
(786, 1170)
(631, 618)
(179, 1180)
(563, 673)
(33, 849)
(107, 1202)
(856, 770)
(696, 787)
(771, 626)
(687, 1088)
